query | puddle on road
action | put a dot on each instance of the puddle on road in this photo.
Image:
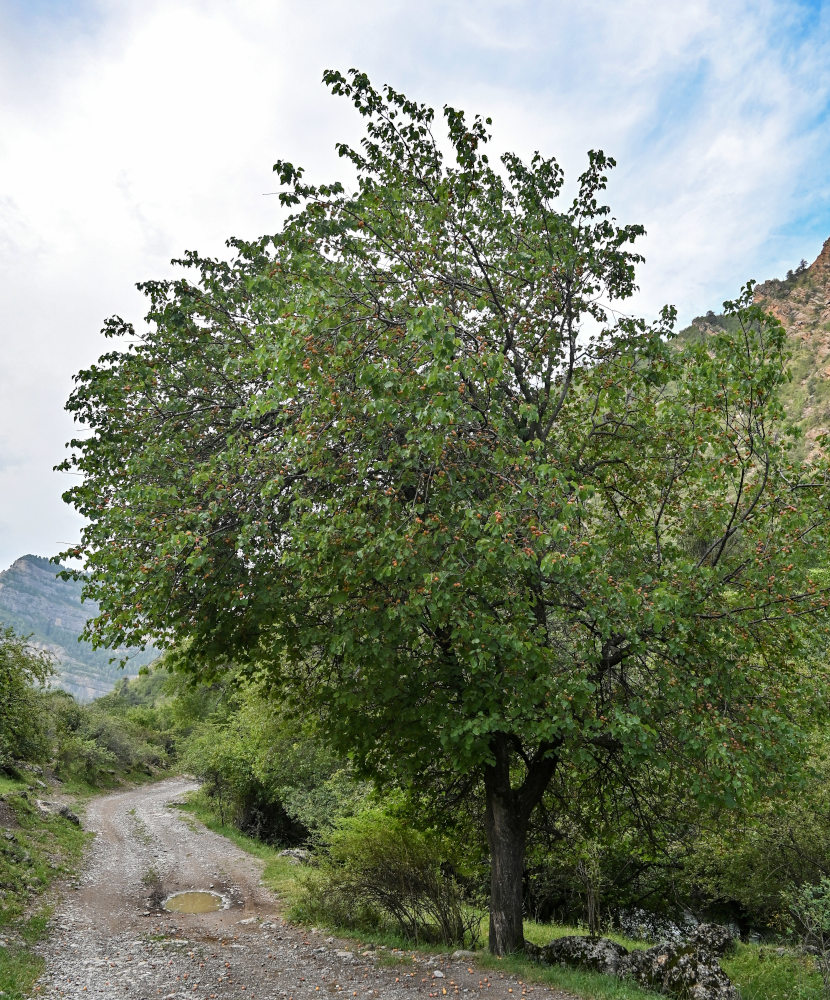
(194, 902)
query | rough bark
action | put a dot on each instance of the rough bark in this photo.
(506, 838)
(506, 821)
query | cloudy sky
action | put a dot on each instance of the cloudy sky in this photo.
(131, 130)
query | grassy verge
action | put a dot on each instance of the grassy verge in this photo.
(760, 972)
(35, 850)
(82, 788)
(8, 784)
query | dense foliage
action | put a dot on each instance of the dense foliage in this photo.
(22, 720)
(402, 458)
(269, 773)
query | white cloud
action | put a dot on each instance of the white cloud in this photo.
(130, 131)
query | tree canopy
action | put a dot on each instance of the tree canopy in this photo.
(405, 457)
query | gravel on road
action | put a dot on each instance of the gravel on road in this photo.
(111, 938)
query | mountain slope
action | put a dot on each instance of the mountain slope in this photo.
(801, 301)
(34, 602)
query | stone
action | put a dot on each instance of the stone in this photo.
(713, 938)
(67, 813)
(597, 954)
(645, 925)
(297, 855)
(684, 971)
(463, 953)
(679, 970)
(437, 974)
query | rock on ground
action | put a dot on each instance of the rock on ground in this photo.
(680, 970)
(714, 939)
(685, 971)
(597, 954)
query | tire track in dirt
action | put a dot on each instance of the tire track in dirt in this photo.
(109, 940)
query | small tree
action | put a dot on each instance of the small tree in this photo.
(23, 669)
(403, 458)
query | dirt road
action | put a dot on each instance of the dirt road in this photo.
(111, 938)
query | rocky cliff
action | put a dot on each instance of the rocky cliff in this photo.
(802, 302)
(36, 603)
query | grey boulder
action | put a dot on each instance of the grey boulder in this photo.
(679, 970)
(714, 938)
(597, 954)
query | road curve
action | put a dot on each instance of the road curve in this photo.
(111, 939)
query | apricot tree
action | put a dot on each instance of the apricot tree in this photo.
(404, 458)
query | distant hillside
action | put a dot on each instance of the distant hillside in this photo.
(802, 302)
(34, 602)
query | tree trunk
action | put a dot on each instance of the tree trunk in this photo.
(506, 821)
(506, 836)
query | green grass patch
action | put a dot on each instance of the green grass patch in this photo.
(35, 850)
(762, 974)
(590, 985)
(8, 784)
(19, 969)
(33, 854)
(543, 934)
(82, 787)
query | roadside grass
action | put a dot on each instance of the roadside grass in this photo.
(35, 850)
(19, 969)
(543, 934)
(762, 974)
(758, 971)
(82, 789)
(590, 985)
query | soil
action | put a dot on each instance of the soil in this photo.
(111, 938)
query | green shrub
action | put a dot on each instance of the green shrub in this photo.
(746, 863)
(809, 908)
(23, 730)
(270, 775)
(84, 757)
(375, 868)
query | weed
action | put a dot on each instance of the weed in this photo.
(155, 890)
